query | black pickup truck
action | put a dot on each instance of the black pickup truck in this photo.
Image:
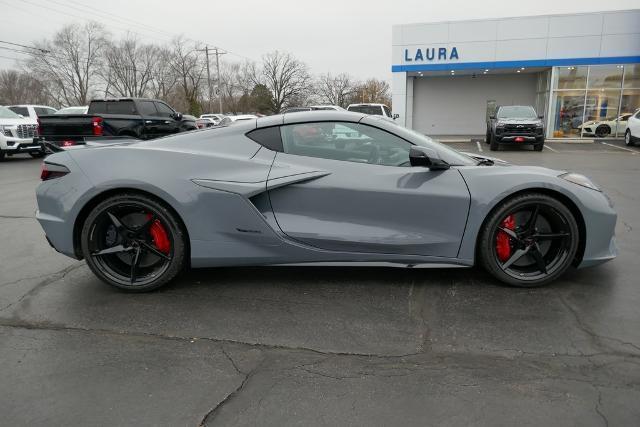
(516, 125)
(114, 118)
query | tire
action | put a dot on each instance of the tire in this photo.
(487, 137)
(38, 155)
(539, 146)
(602, 131)
(148, 235)
(628, 139)
(494, 145)
(1, 155)
(554, 237)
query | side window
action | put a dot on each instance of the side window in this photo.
(345, 141)
(163, 109)
(20, 110)
(387, 112)
(98, 107)
(41, 111)
(147, 108)
(121, 107)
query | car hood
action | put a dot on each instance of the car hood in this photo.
(17, 121)
(519, 121)
(496, 161)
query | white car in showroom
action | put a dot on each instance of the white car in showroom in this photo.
(632, 134)
(16, 135)
(606, 127)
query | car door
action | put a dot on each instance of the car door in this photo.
(151, 119)
(168, 124)
(362, 195)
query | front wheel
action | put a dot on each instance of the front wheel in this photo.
(529, 241)
(628, 139)
(133, 242)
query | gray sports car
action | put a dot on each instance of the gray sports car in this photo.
(322, 187)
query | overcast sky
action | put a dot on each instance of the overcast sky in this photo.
(351, 36)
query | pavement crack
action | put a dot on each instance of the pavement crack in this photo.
(233, 363)
(50, 278)
(597, 338)
(599, 410)
(209, 416)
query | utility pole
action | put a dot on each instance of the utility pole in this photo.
(218, 53)
(206, 51)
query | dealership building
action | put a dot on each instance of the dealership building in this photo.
(574, 69)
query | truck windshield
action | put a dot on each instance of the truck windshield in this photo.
(517, 112)
(6, 113)
(374, 110)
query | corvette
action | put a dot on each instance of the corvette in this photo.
(320, 187)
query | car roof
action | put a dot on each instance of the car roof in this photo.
(31, 105)
(367, 104)
(310, 116)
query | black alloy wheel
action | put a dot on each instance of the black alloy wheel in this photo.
(602, 131)
(132, 242)
(529, 241)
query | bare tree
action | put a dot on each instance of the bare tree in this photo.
(163, 79)
(374, 91)
(18, 87)
(286, 77)
(237, 84)
(128, 67)
(335, 90)
(189, 68)
(70, 68)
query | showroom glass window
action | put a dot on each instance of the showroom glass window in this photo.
(593, 101)
(349, 142)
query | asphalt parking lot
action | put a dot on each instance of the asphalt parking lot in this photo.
(323, 346)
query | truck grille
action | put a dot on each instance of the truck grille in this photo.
(523, 129)
(26, 131)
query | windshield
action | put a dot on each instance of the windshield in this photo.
(71, 110)
(6, 113)
(517, 112)
(374, 110)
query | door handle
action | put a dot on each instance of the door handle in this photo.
(148, 122)
(166, 122)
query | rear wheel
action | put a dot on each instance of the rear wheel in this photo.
(132, 242)
(602, 131)
(628, 139)
(529, 241)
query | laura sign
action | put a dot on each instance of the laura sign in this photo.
(431, 54)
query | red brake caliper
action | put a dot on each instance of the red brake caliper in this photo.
(503, 243)
(159, 236)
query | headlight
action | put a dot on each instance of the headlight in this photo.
(582, 180)
(5, 130)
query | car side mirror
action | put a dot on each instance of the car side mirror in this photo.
(541, 117)
(423, 156)
(395, 116)
(492, 117)
(177, 116)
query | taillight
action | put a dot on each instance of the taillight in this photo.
(51, 170)
(97, 126)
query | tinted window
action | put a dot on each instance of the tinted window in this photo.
(121, 107)
(387, 111)
(20, 110)
(267, 137)
(516, 112)
(163, 109)
(349, 142)
(367, 109)
(147, 108)
(98, 107)
(41, 111)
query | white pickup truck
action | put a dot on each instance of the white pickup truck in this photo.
(16, 135)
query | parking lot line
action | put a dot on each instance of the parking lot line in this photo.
(479, 146)
(549, 148)
(621, 148)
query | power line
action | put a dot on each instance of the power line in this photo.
(25, 46)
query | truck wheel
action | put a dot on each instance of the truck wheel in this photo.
(1, 155)
(494, 144)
